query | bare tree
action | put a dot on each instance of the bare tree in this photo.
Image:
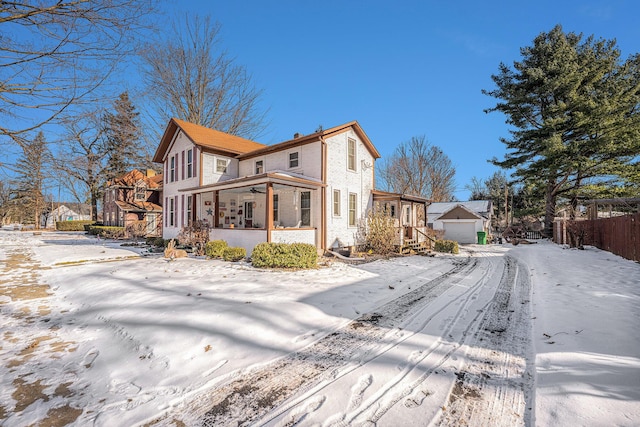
(55, 53)
(420, 169)
(189, 77)
(82, 158)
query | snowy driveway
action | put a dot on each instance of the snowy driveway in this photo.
(93, 334)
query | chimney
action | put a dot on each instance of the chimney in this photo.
(151, 173)
(297, 135)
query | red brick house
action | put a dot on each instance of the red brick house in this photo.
(132, 198)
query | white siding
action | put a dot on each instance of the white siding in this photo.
(209, 174)
(180, 144)
(309, 163)
(360, 182)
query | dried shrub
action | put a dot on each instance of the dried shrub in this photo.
(195, 236)
(379, 233)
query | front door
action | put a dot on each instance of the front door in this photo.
(248, 214)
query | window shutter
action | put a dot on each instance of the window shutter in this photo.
(195, 161)
(183, 165)
(166, 172)
(165, 209)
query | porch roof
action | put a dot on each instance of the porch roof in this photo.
(384, 195)
(275, 177)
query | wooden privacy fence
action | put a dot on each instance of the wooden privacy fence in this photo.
(619, 235)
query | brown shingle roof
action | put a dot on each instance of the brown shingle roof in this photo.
(129, 179)
(138, 206)
(204, 137)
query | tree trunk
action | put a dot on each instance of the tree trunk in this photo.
(550, 209)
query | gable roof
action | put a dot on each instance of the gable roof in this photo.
(78, 208)
(459, 212)
(478, 207)
(130, 179)
(204, 137)
(316, 136)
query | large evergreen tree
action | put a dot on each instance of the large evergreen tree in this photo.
(574, 107)
(122, 138)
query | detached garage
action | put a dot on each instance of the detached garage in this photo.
(460, 221)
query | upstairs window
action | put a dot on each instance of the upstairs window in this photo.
(172, 169)
(351, 154)
(259, 166)
(294, 160)
(221, 166)
(140, 191)
(189, 163)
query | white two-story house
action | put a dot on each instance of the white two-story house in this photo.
(312, 189)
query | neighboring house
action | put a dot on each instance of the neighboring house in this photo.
(134, 197)
(66, 211)
(312, 189)
(460, 221)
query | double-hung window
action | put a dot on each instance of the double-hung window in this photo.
(171, 212)
(172, 168)
(305, 208)
(336, 202)
(189, 201)
(353, 203)
(275, 208)
(221, 165)
(351, 154)
(294, 160)
(259, 166)
(189, 163)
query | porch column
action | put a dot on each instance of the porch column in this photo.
(268, 206)
(216, 211)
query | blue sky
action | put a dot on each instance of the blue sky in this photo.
(402, 68)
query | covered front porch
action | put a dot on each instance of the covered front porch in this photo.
(409, 212)
(270, 207)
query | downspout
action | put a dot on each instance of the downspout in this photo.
(323, 195)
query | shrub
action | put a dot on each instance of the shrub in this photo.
(284, 255)
(73, 225)
(195, 236)
(215, 248)
(108, 232)
(158, 242)
(448, 246)
(379, 232)
(234, 254)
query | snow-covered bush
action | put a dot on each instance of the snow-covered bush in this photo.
(284, 255)
(215, 248)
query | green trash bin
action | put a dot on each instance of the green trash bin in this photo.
(482, 238)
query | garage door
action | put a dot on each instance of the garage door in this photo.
(461, 232)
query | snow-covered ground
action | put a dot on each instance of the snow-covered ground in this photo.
(94, 333)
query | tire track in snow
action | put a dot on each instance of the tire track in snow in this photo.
(256, 393)
(496, 386)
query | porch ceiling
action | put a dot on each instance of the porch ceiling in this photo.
(256, 180)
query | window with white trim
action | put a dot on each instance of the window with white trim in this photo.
(140, 191)
(190, 163)
(259, 166)
(221, 166)
(294, 160)
(353, 204)
(351, 154)
(172, 168)
(305, 208)
(171, 212)
(188, 207)
(336, 202)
